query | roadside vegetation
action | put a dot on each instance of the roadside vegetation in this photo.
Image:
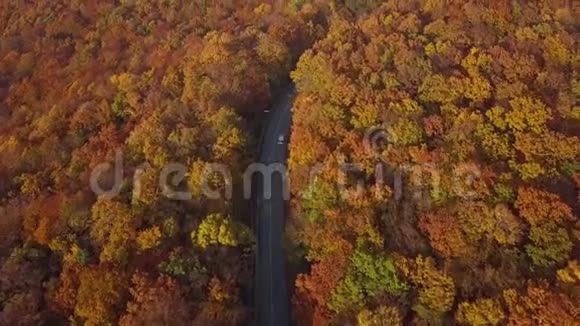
(158, 82)
(471, 111)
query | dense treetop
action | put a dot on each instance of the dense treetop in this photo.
(471, 109)
(158, 82)
(460, 119)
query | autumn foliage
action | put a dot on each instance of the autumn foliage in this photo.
(470, 109)
(459, 121)
(152, 82)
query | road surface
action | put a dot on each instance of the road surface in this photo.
(272, 297)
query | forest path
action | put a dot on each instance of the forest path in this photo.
(271, 284)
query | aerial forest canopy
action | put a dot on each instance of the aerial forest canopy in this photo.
(157, 82)
(478, 105)
(469, 109)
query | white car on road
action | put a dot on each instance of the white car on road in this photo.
(281, 139)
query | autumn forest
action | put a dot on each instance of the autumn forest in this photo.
(459, 121)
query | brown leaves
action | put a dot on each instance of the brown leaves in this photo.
(42, 219)
(433, 125)
(538, 206)
(540, 305)
(445, 234)
(159, 301)
(456, 232)
(323, 278)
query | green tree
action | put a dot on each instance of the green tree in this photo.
(217, 229)
(405, 132)
(549, 245)
(186, 267)
(120, 107)
(368, 276)
(436, 289)
(318, 197)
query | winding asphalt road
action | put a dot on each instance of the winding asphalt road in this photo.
(272, 297)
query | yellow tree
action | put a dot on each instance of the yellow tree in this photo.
(112, 230)
(217, 229)
(436, 289)
(483, 311)
(540, 305)
(100, 296)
